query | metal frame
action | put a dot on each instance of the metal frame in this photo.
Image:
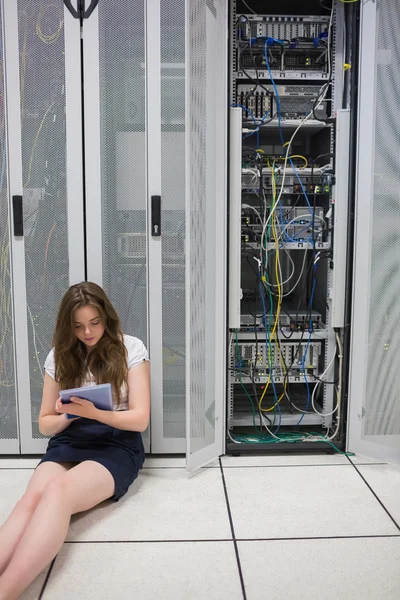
(11, 79)
(341, 206)
(74, 155)
(91, 108)
(337, 92)
(154, 263)
(235, 212)
(375, 446)
(12, 87)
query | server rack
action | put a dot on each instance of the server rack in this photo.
(287, 322)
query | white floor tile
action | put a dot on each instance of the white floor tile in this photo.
(33, 592)
(172, 571)
(163, 504)
(303, 502)
(12, 486)
(352, 569)
(282, 460)
(385, 481)
(19, 463)
(160, 462)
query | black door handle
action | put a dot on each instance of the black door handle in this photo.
(156, 216)
(91, 8)
(18, 216)
(75, 12)
(80, 12)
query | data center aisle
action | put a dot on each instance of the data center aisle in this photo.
(248, 527)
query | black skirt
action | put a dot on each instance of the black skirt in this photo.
(120, 452)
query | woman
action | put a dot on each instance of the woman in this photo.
(90, 458)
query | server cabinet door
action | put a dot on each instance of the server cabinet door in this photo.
(206, 117)
(374, 424)
(42, 46)
(9, 436)
(168, 408)
(120, 251)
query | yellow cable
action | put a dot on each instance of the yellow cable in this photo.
(278, 308)
(35, 143)
(348, 1)
(296, 156)
(49, 39)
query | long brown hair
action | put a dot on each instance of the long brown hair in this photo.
(107, 360)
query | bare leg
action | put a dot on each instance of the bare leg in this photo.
(81, 488)
(12, 530)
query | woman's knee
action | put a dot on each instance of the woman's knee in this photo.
(29, 501)
(56, 487)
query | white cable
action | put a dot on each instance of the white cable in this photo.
(317, 387)
(339, 390)
(231, 438)
(266, 427)
(299, 278)
(248, 7)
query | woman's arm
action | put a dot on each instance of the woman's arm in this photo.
(50, 422)
(134, 419)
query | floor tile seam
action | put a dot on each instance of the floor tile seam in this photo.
(376, 495)
(282, 466)
(235, 546)
(48, 575)
(231, 466)
(317, 538)
(188, 541)
(230, 540)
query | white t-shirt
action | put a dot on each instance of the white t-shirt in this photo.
(137, 354)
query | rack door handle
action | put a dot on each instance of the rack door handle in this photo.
(91, 8)
(18, 216)
(75, 12)
(80, 12)
(156, 216)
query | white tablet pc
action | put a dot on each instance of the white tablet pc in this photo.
(100, 395)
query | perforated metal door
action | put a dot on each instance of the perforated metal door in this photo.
(206, 91)
(8, 395)
(172, 50)
(375, 384)
(49, 256)
(115, 160)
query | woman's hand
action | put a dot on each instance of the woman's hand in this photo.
(78, 407)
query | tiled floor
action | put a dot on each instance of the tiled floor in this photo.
(248, 527)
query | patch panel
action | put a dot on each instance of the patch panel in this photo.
(295, 101)
(300, 43)
(294, 321)
(299, 358)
